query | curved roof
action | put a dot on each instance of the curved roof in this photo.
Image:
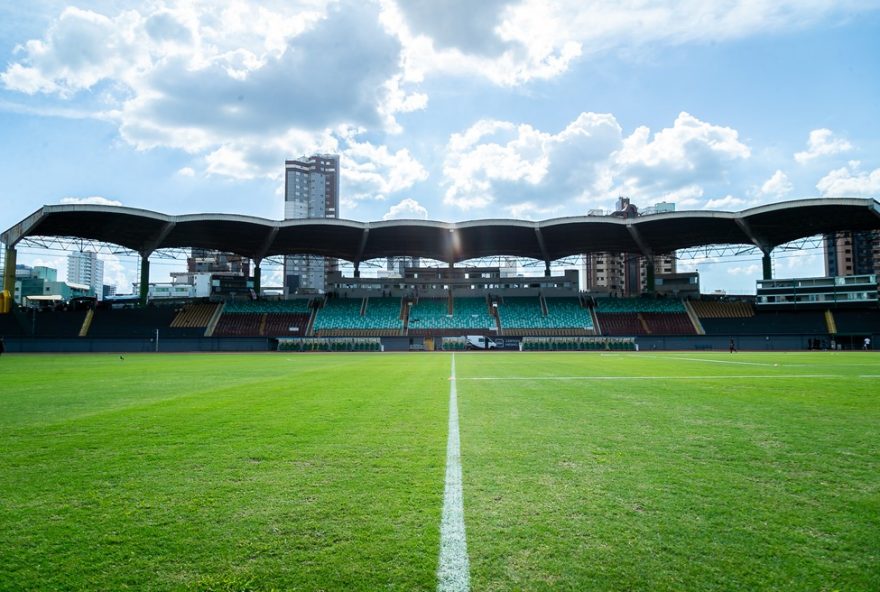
(145, 231)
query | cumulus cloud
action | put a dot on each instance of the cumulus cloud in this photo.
(95, 200)
(678, 154)
(239, 85)
(822, 143)
(778, 185)
(496, 161)
(186, 172)
(728, 203)
(513, 42)
(850, 181)
(521, 169)
(117, 273)
(373, 172)
(80, 49)
(746, 270)
(407, 209)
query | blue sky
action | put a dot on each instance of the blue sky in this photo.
(442, 110)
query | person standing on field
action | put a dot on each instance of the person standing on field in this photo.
(867, 344)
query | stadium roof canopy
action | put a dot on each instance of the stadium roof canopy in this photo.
(144, 231)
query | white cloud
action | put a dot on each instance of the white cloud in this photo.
(95, 200)
(746, 270)
(512, 42)
(373, 172)
(822, 143)
(519, 169)
(778, 185)
(59, 264)
(186, 172)
(408, 209)
(116, 273)
(238, 84)
(499, 161)
(850, 181)
(80, 49)
(728, 202)
(689, 146)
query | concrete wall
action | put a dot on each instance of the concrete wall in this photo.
(259, 344)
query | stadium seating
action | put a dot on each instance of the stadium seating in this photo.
(132, 322)
(622, 323)
(290, 324)
(240, 325)
(12, 325)
(709, 309)
(568, 313)
(57, 323)
(342, 316)
(637, 305)
(668, 323)
(524, 316)
(195, 315)
(857, 322)
(431, 317)
(807, 322)
(264, 318)
(643, 316)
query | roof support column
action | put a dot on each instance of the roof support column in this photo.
(360, 253)
(145, 278)
(648, 254)
(9, 273)
(767, 264)
(258, 277)
(544, 252)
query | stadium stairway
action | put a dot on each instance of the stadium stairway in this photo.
(212, 324)
(695, 320)
(829, 322)
(87, 322)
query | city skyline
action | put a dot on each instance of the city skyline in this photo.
(440, 111)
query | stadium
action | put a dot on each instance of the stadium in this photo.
(438, 307)
(668, 441)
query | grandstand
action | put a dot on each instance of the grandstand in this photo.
(426, 305)
(643, 316)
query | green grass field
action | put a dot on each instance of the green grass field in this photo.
(582, 471)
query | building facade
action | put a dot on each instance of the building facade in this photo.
(311, 190)
(852, 253)
(84, 268)
(625, 274)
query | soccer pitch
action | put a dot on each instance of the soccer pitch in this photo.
(580, 471)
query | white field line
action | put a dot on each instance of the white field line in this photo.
(713, 361)
(453, 572)
(721, 377)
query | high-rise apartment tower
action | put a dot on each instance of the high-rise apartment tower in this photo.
(84, 267)
(311, 190)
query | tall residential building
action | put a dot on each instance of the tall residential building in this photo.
(311, 190)
(625, 274)
(84, 267)
(852, 253)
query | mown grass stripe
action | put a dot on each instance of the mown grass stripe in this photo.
(700, 377)
(453, 573)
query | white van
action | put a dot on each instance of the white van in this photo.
(480, 342)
